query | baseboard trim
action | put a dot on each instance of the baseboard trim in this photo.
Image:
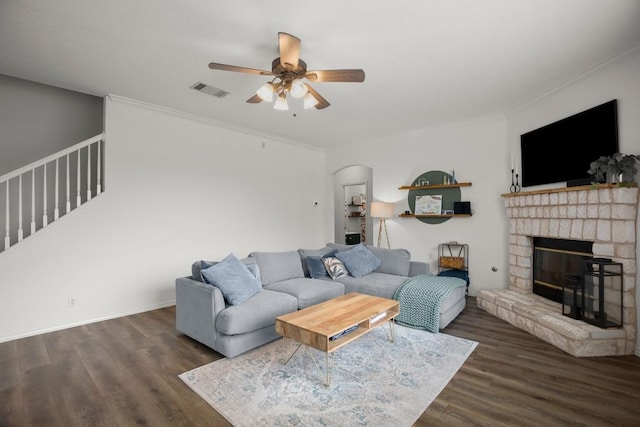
(86, 322)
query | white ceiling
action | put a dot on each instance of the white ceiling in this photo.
(426, 62)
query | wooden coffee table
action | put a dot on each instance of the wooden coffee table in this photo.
(323, 325)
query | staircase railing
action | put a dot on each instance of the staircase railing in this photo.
(43, 191)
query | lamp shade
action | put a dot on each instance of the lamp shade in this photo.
(381, 210)
(266, 92)
(281, 103)
(298, 88)
(310, 101)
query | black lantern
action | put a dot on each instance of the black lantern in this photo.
(572, 296)
(602, 292)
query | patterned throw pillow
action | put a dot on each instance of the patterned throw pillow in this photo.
(334, 267)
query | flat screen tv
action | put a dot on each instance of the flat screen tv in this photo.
(563, 150)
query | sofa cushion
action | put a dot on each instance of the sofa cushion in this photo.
(334, 267)
(306, 253)
(198, 266)
(359, 260)
(257, 312)
(376, 284)
(308, 291)
(233, 278)
(394, 261)
(278, 266)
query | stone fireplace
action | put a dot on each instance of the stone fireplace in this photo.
(602, 215)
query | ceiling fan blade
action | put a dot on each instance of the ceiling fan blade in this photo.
(322, 103)
(354, 75)
(255, 99)
(289, 50)
(224, 67)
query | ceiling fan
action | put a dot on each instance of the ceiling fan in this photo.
(288, 72)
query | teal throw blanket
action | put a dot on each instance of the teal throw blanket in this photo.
(420, 298)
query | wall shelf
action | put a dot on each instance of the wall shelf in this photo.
(450, 194)
(432, 216)
(435, 186)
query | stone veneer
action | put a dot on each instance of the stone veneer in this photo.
(603, 214)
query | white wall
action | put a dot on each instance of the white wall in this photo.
(620, 80)
(176, 190)
(477, 152)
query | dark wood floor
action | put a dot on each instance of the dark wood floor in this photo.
(124, 372)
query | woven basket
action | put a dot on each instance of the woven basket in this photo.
(451, 262)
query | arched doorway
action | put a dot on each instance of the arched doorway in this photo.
(352, 192)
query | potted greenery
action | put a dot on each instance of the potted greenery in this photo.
(617, 168)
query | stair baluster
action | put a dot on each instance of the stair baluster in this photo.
(98, 175)
(78, 198)
(12, 184)
(56, 212)
(7, 239)
(33, 201)
(20, 230)
(45, 217)
(68, 203)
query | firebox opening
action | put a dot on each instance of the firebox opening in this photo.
(558, 263)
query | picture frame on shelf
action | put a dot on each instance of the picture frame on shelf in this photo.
(428, 204)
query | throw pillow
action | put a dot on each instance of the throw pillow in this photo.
(316, 267)
(198, 266)
(233, 278)
(305, 253)
(334, 267)
(359, 260)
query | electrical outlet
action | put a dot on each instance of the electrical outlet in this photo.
(71, 302)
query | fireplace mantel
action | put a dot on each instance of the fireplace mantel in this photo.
(604, 214)
(568, 189)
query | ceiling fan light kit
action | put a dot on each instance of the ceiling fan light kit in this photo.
(288, 72)
(309, 101)
(266, 92)
(298, 89)
(281, 103)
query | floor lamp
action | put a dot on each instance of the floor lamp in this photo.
(382, 210)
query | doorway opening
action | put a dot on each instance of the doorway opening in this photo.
(355, 213)
(352, 191)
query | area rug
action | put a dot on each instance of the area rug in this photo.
(374, 381)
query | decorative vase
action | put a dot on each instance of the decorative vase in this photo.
(614, 178)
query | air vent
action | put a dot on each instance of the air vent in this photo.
(210, 90)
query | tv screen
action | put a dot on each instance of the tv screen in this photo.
(563, 150)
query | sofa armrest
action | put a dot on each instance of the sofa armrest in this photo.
(197, 306)
(419, 267)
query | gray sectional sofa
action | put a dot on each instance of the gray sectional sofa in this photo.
(287, 284)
